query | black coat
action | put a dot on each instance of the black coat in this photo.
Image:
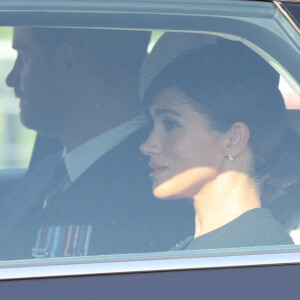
(114, 195)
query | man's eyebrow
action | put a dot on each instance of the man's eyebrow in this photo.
(162, 111)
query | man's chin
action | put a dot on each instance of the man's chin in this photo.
(27, 116)
(27, 122)
(40, 126)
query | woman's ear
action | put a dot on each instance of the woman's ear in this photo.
(238, 137)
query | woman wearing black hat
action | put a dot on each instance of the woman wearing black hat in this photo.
(219, 128)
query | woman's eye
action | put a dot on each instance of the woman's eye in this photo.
(170, 124)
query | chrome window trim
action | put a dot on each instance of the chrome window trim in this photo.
(287, 16)
(126, 5)
(148, 265)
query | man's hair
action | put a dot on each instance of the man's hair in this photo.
(109, 50)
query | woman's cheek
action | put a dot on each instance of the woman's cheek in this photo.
(184, 184)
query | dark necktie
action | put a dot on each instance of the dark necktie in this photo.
(53, 238)
(59, 182)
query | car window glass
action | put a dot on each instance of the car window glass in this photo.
(117, 154)
(17, 141)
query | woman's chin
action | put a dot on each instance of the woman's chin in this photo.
(165, 191)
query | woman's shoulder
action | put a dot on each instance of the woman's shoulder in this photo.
(268, 229)
(256, 227)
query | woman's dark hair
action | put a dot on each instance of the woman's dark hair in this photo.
(230, 83)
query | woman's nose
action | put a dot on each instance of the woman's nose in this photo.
(150, 146)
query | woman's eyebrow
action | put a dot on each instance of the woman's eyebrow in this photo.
(162, 111)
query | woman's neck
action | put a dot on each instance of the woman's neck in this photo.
(224, 199)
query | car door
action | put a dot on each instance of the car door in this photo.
(251, 273)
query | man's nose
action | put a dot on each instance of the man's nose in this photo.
(150, 146)
(12, 79)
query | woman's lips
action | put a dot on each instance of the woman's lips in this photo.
(157, 169)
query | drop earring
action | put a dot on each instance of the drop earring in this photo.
(230, 157)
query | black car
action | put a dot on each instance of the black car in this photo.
(271, 30)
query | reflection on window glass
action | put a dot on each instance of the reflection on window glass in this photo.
(291, 99)
(206, 162)
(155, 36)
(16, 141)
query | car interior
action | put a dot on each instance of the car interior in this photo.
(280, 50)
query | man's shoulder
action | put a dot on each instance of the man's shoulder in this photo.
(120, 170)
(124, 155)
(123, 164)
(132, 142)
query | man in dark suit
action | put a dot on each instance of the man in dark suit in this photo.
(80, 86)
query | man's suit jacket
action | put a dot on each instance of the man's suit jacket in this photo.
(114, 196)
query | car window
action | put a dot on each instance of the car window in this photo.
(178, 142)
(17, 141)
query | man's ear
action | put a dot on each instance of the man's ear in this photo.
(67, 57)
(238, 137)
